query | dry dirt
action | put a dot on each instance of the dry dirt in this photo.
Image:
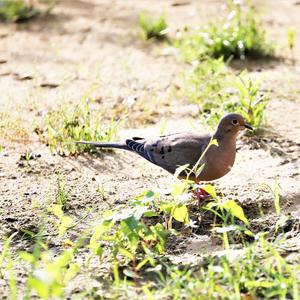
(55, 59)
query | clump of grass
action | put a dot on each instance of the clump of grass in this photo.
(239, 35)
(16, 11)
(153, 27)
(244, 97)
(64, 127)
(206, 83)
(217, 90)
(252, 102)
(62, 196)
(256, 272)
(12, 129)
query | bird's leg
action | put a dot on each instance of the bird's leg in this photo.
(201, 195)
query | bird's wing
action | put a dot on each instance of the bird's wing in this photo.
(172, 151)
(139, 148)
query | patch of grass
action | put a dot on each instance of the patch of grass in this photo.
(12, 129)
(16, 11)
(65, 126)
(206, 83)
(218, 91)
(239, 35)
(130, 244)
(256, 272)
(153, 27)
(244, 98)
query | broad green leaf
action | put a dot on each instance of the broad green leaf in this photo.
(235, 209)
(180, 213)
(179, 188)
(210, 189)
(166, 207)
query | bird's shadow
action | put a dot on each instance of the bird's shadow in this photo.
(258, 64)
(98, 161)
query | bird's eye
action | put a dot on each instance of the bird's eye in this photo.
(234, 122)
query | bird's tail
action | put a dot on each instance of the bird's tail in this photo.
(120, 145)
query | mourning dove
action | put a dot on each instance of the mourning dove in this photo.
(172, 151)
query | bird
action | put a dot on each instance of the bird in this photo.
(189, 149)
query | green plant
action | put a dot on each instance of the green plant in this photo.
(239, 35)
(206, 83)
(218, 91)
(251, 102)
(227, 211)
(275, 193)
(50, 273)
(64, 127)
(291, 38)
(245, 99)
(62, 196)
(16, 11)
(256, 272)
(7, 266)
(129, 239)
(153, 27)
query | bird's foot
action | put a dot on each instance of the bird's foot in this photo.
(201, 195)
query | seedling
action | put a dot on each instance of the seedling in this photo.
(153, 27)
(275, 191)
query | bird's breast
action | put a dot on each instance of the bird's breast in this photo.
(218, 162)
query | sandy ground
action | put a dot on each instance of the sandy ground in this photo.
(57, 58)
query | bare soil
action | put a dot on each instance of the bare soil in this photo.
(55, 59)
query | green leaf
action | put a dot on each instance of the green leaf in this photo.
(210, 189)
(180, 213)
(142, 263)
(236, 210)
(151, 213)
(71, 272)
(179, 188)
(214, 142)
(41, 288)
(126, 253)
(180, 169)
(27, 256)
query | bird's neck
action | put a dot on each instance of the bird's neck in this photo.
(221, 137)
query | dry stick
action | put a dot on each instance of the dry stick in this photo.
(136, 283)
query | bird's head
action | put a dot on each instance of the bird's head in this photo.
(231, 124)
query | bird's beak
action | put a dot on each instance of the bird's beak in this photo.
(248, 126)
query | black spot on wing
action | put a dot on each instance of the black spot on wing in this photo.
(136, 138)
(139, 149)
